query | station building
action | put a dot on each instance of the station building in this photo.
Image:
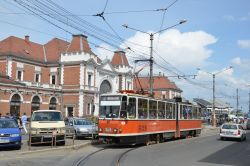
(61, 75)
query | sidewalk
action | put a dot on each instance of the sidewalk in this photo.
(207, 129)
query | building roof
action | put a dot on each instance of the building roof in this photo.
(160, 83)
(49, 52)
(79, 43)
(119, 58)
(202, 102)
(54, 48)
(205, 103)
(22, 48)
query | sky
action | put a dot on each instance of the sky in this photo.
(215, 37)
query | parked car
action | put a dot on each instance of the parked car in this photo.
(80, 127)
(46, 124)
(248, 124)
(10, 134)
(231, 130)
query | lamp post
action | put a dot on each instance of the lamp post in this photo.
(151, 35)
(213, 104)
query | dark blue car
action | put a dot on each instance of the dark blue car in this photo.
(10, 134)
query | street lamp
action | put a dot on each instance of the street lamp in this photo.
(151, 48)
(213, 105)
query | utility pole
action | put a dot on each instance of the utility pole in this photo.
(151, 65)
(249, 104)
(237, 103)
(213, 104)
(151, 61)
(214, 116)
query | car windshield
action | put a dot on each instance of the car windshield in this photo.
(47, 116)
(234, 127)
(8, 124)
(82, 122)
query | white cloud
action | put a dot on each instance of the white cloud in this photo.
(236, 61)
(244, 43)
(183, 50)
(104, 51)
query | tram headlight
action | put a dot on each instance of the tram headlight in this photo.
(115, 130)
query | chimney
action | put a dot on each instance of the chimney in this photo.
(27, 38)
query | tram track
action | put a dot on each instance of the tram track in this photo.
(122, 155)
(82, 161)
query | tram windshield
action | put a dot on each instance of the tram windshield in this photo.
(110, 106)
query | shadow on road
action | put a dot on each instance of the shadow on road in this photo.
(236, 154)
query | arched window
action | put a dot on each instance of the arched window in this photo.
(105, 87)
(35, 104)
(52, 103)
(15, 105)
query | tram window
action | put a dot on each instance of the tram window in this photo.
(174, 111)
(181, 112)
(190, 112)
(124, 103)
(169, 111)
(131, 108)
(161, 110)
(109, 111)
(195, 109)
(152, 109)
(185, 112)
(142, 108)
(123, 112)
(199, 113)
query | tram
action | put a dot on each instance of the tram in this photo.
(127, 118)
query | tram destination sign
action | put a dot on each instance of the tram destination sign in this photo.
(110, 98)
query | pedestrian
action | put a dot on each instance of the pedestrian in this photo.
(24, 122)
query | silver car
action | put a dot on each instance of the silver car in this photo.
(80, 127)
(229, 130)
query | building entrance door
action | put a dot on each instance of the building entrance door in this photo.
(70, 111)
(15, 104)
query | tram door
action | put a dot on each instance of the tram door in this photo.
(177, 110)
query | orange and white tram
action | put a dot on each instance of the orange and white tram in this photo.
(131, 119)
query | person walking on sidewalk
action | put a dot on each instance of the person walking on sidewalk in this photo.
(24, 122)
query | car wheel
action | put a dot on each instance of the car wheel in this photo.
(18, 147)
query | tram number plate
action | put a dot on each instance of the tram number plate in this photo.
(142, 128)
(108, 130)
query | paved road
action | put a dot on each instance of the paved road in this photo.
(206, 150)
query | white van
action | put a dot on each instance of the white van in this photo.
(46, 125)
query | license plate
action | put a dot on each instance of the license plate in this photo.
(4, 140)
(229, 133)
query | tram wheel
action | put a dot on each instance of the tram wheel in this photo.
(157, 138)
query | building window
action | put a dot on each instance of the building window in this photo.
(37, 77)
(19, 75)
(89, 79)
(128, 85)
(163, 96)
(53, 79)
(88, 109)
